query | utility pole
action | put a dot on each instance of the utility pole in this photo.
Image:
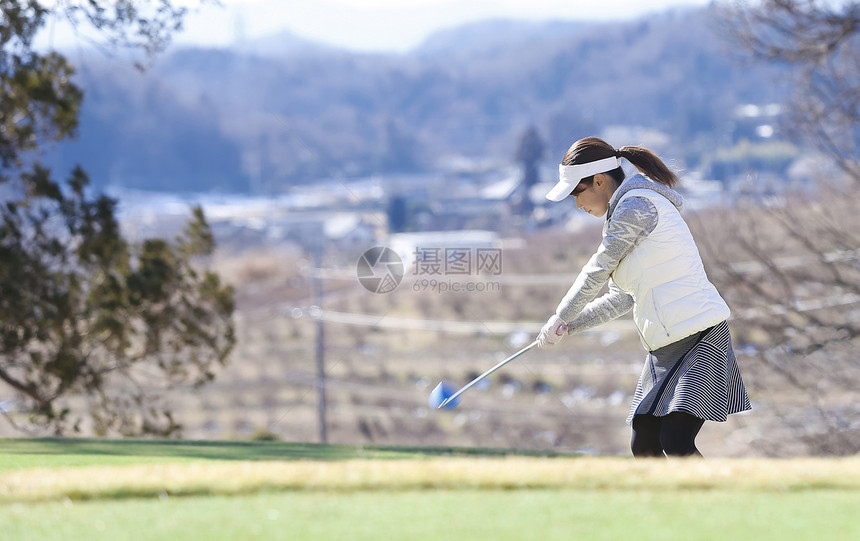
(320, 346)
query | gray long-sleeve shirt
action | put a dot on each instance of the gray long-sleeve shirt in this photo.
(628, 223)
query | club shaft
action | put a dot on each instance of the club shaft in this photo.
(487, 373)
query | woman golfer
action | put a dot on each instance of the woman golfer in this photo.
(651, 263)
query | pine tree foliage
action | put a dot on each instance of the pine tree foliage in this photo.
(92, 327)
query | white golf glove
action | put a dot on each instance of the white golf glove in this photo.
(553, 331)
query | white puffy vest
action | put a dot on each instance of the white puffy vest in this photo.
(673, 297)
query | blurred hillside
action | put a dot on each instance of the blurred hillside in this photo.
(265, 116)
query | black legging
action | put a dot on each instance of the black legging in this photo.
(674, 434)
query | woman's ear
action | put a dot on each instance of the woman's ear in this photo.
(599, 180)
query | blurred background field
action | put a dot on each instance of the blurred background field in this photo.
(575, 397)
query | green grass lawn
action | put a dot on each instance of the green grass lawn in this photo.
(20, 453)
(59, 452)
(457, 515)
(140, 490)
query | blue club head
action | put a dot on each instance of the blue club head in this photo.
(441, 393)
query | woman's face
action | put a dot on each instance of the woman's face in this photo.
(594, 198)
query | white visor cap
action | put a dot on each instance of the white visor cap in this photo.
(570, 175)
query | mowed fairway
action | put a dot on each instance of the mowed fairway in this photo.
(108, 489)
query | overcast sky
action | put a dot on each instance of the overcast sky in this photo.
(388, 25)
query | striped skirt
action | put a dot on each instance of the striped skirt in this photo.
(698, 375)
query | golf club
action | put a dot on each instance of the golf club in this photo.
(487, 373)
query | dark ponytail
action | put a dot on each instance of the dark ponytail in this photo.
(592, 149)
(650, 164)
